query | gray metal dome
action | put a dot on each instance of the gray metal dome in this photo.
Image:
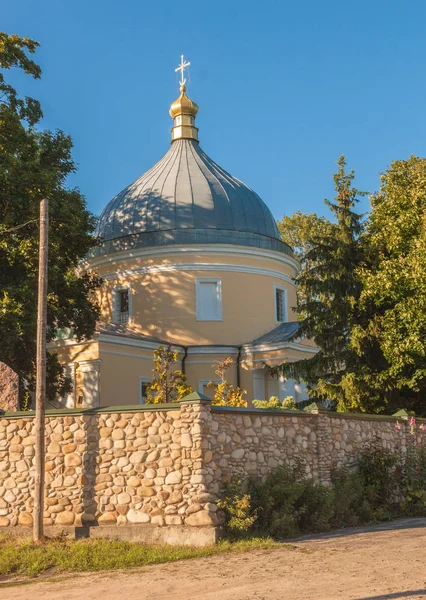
(186, 198)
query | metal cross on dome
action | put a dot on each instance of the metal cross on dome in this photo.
(182, 68)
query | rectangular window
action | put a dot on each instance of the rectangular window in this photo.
(121, 305)
(143, 389)
(209, 299)
(204, 389)
(280, 305)
(124, 306)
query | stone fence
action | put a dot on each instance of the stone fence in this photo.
(154, 472)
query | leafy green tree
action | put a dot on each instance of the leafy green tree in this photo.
(168, 384)
(35, 164)
(329, 288)
(394, 287)
(301, 232)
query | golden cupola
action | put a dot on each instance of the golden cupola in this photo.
(183, 112)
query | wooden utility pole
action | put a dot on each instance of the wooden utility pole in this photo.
(41, 374)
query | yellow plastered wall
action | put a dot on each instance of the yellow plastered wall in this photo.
(163, 305)
(121, 368)
(164, 300)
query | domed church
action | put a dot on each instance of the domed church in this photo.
(190, 257)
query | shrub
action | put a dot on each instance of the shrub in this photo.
(414, 481)
(350, 505)
(378, 469)
(288, 503)
(168, 384)
(275, 403)
(237, 507)
(225, 393)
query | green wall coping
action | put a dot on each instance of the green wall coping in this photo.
(306, 413)
(65, 412)
(365, 416)
(262, 411)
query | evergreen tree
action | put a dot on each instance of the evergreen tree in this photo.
(329, 289)
(35, 164)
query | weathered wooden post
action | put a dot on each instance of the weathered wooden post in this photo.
(41, 374)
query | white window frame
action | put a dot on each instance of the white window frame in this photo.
(285, 311)
(203, 382)
(115, 299)
(68, 399)
(142, 380)
(218, 283)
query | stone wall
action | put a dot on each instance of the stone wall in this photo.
(109, 467)
(255, 442)
(164, 466)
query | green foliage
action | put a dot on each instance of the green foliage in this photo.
(20, 556)
(394, 285)
(378, 471)
(361, 293)
(275, 403)
(236, 504)
(13, 54)
(168, 384)
(328, 288)
(301, 232)
(225, 393)
(351, 508)
(414, 480)
(35, 164)
(287, 503)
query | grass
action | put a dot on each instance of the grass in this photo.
(20, 556)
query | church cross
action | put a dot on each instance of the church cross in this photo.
(182, 68)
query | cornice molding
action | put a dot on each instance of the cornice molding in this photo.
(212, 350)
(217, 267)
(213, 249)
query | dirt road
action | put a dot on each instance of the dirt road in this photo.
(375, 565)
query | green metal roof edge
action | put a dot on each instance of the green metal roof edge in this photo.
(65, 412)
(265, 411)
(308, 413)
(363, 416)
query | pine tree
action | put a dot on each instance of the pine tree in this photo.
(329, 289)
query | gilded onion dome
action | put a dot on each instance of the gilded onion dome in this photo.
(183, 111)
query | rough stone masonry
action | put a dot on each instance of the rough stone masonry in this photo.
(155, 472)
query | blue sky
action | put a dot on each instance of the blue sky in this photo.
(283, 87)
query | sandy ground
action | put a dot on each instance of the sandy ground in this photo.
(372, 565)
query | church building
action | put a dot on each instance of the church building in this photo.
(190, 257)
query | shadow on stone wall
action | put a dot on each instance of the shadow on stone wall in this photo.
(89, 480)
